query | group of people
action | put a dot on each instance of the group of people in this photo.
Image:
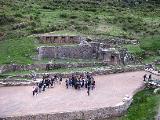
(75, 81)
(81, 81)
(47, 82)
(145, 78)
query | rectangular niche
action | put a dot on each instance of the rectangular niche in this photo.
(48, 39)
(63, 39)
(56, 39)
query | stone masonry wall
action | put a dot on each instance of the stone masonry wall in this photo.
(17, 82)
(16, 67)
(49, 38)
(117, 41)
(76, 51)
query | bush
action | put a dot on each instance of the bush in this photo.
(47, 7)
(63, 15)
(18, 15)
(6, 19)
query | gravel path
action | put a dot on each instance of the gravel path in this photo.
(110, 90)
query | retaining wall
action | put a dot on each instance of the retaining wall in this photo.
(13, 82)
(16, 67)
(117, 41)
(75, 51)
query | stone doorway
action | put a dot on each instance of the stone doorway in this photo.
(112, 59)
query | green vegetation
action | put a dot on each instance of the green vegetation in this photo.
(126, 18)
(133, 19)
(150, 59)
(151, 43)
(158, 67)
(17, 50)
(143, 107)
(135, 50)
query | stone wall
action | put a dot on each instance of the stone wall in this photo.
(16, 67)
(13, 82)
(64, 39)
(75, 51)
(16, 82)
(117, 41)
(95, 114)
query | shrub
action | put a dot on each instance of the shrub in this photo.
(63, 15)
(6, 19)
(18, 15)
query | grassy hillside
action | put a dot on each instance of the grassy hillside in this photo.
(143, 107)
(97, 18)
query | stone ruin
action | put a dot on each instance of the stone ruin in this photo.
(60, 39)
(80, 49)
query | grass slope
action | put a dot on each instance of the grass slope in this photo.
(144, 106)
(20, 18)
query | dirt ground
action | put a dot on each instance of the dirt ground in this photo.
(109, 91)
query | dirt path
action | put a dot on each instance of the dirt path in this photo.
(110, 90)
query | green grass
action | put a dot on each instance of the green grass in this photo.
(78, 17)
(150, 59)
(151, 43)
(158, 67)
(135, 50)
(17, 50)
(144, 106)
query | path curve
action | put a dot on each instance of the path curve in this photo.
(110, 90)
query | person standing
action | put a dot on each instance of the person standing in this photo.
(44, 87)
(150, 77)
(88, 90)
(144, 77)
(60, 79)
(35, 90)
(93, 84)
(67, 83)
